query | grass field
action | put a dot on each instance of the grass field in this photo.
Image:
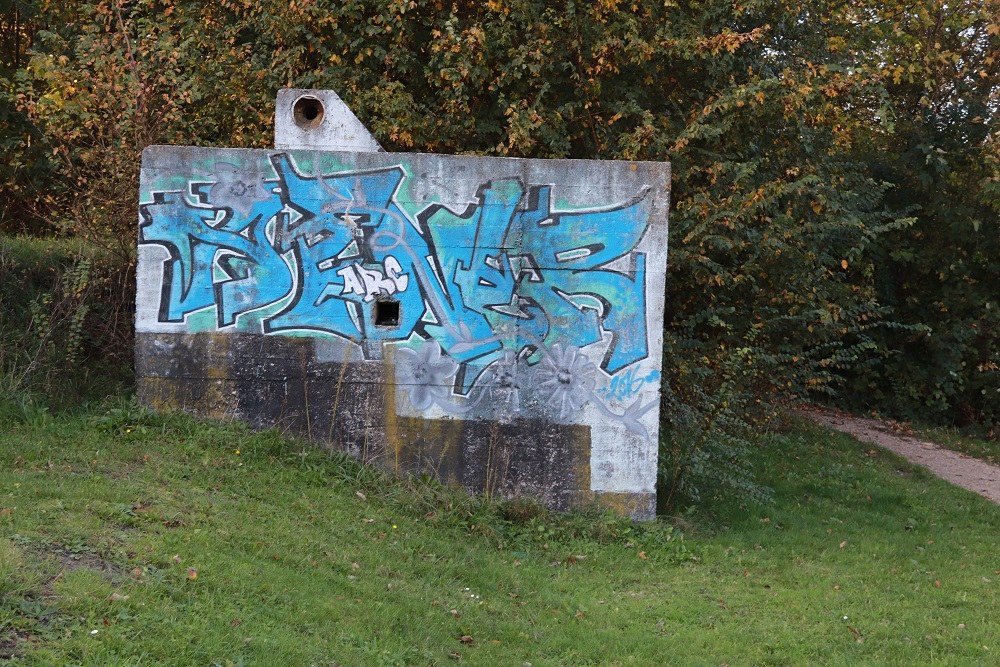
(978, 447)
(130, 539)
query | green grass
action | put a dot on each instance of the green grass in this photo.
(302, 558)
(961, 441)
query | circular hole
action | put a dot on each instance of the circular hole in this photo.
(307, 112)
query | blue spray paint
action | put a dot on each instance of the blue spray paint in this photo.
(509, 277)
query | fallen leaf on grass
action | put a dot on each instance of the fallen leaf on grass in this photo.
(117, 597)
(361, 495)
(843, 544)
(454, 612)
(642, 555)
(466, 639)
(192, 573)
(858, 637)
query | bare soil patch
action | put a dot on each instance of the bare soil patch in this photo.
(969, 473)
(71, 559)
(11, 642)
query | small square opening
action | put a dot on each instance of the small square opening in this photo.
(386, 313)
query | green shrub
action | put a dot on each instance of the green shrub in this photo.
(62, 313)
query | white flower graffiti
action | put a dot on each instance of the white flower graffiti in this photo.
(236, 189)
(567, 377)
(425, 374)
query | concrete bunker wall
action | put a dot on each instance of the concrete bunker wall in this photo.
(494, 322)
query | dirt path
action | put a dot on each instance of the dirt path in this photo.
(972, 474)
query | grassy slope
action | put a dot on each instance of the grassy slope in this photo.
(978, 447)
(305, 559)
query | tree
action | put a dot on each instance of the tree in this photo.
(940, 66)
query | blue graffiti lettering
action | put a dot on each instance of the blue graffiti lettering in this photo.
(627, 384)
(509, 277)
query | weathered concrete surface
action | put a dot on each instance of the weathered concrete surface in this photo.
(318, 120)
(494, 322)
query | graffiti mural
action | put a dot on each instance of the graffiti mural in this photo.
(493, 322)
(507, 301)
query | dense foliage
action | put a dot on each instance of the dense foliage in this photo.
(836, 192)
(940, 152)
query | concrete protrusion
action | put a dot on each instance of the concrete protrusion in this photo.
(319, 120)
